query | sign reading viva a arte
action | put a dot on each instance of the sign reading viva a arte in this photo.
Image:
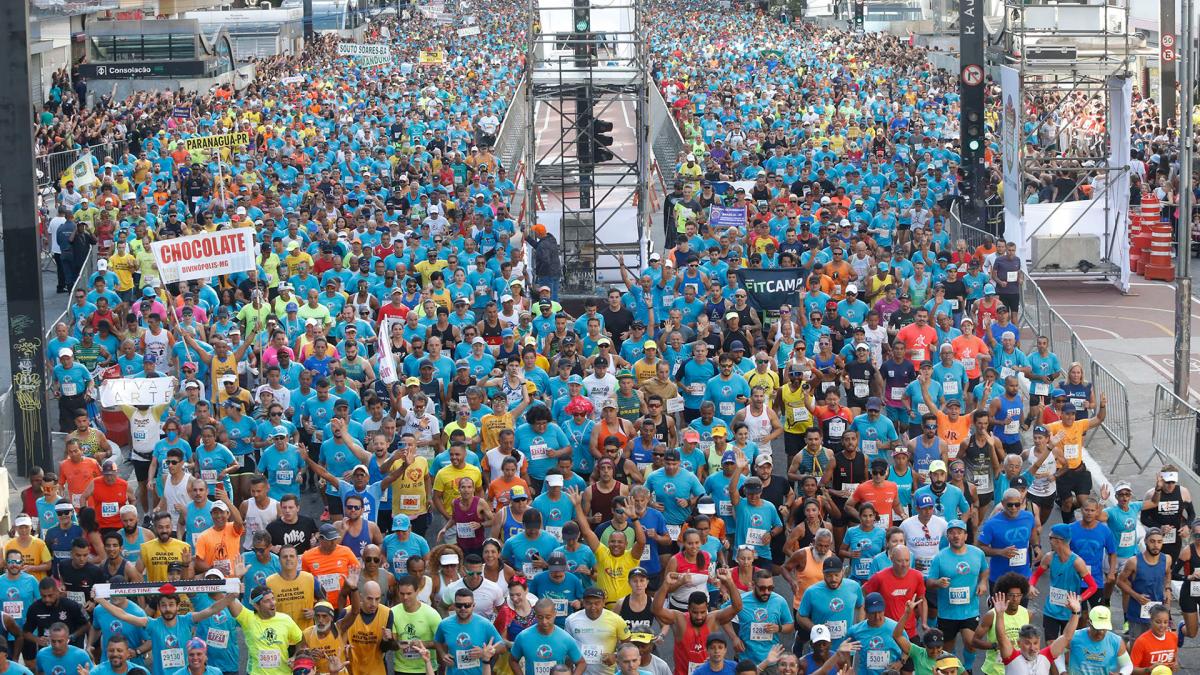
(203, 256)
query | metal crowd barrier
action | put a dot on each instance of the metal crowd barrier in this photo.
(1174, 431)
(54, 164)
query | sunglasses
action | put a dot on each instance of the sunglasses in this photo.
(658, 454)
(172, 461)
(464, 605)
(1012, 505)
(353, 508)
(765, 589)
(469, 573)
(374, 559)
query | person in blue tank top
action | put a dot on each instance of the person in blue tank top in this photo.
(1007, 412)
(1068, 574)
(1097, 650)
(1145, 581)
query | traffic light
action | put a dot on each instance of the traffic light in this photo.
(582, 11)
(601, 134)
(973, 140)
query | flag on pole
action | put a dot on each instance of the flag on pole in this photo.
(81, 172)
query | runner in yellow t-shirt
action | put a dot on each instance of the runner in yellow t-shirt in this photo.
(267, 633)
(615, 560)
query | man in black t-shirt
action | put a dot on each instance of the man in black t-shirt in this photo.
(79, 576)
(51, 608)
(292, 528)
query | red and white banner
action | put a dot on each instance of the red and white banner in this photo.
(203, 256)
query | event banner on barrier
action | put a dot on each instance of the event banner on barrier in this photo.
(236, 139)
(137, 391)
(1011, 131)
(206, 255)
(770, 289)
(726, 217)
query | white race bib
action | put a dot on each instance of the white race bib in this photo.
(861, 389)
(554, 531)
(758, 632)
(674, 405)
(592, 653)
(837, 629)
(408, 502)
(983, 481)
(543, 667)
(109, 509)
(800, 414)
(726, 408)
(217, 638)
(959, 595)
(952, 450)
(77, 596)
(897, 393)
(756, 536)
(528, 569)
(918, 354)
(1006, 372)
(1079, 403)
(14, 608)
(1011, 277)
(330, 582)
(172, 658)
(1169, 537)
(1019, 559)
(1058, 596)
(1145, 609)
(539, 451)
(1194, 587)
(1072, 452)
(950, 388)
(850, 488)
(1013, 427)
(877, 659)
(268, 658)
(208, 475)
(284, 477)
(1127, 539)
(464, 661)
(1041, 388)
(673, 531)
(870, 447)
(466, 530)
(696, 389)
(725, 508)
(837, 426)
(70, 389)
(560, 606)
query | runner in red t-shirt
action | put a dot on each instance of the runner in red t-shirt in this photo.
(897, 584)
(919, 338)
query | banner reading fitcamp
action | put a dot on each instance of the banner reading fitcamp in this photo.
(203, 256)
(768, 290)
(235, 139)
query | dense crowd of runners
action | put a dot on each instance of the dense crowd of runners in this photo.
(416, 460)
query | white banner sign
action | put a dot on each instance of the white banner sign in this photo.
(387, 363)
(137, 391)
(355, 49)
(1011, 146)
(203, 256)
(468, 31)
(295, 79)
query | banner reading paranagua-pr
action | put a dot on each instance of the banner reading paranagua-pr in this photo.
(770, 289)
(206, 255)
(230, 140)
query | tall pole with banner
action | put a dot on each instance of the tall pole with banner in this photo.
(971, 119)
(1166, 64)
(26, 341)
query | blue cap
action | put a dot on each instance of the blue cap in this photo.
(292, 307)
(874, 602)
(279, 432)
(989, 289)
(924, 500)
(461, 363)
(575, 379)
(148, 292)
(151, 358)
(401, 522)
(728, 457)
(883, 266)
(1061, 531)
(507, 332)
(1069, 409)
(956, 523)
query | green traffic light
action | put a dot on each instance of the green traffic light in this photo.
(581, 25)
(973, 145)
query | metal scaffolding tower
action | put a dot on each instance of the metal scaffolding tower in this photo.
(1067, 55)
(588, 71)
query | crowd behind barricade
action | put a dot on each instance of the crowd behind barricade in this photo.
(413, 457)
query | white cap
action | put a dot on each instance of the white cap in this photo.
(655, 256)
(433, 208)
(102, 264)
(65, 351)
(506, 298)
(1170, 476)
(477, 340)
(851, 288)
(448, 559)
(23, 519)
(220, 505)
(241, 210)
(554, 480)
(191, 384)
(214, 573)
(691, 157)
(820, 633)
(764, 458)
(226, 379)
(707, 509)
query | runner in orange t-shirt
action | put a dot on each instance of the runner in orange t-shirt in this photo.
(76, 472)
(220, 546)
(1151, 650)
(968, 348)
(330, 562)
(879, 492)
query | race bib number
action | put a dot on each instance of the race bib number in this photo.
(543, 667)
(284, 477)
(758, 632)
(217, 638)
(862, 568)
(675, 405)
(952, 449)
(725, 508)
(560, 606)
(950, 388)
(1010, 277)
(172, 658)
(1058, 596)
(1019, 559)
(109, 509)
(553, 530)
(642, 558)
(726, 408)
(1193, 586)
(918, 354)
(1169, 537)
(897, 393)
(837, 629)
(70, 389)
(1127, 539)
(14, 608)
(330, 582)
(539, 451)
(922, 409)
(861, 389)
(77, 596)
(756, 536)
(466, 530)
(837, 426)
(1145, 610)
(464, 661)
(959, 595)
(870, 447)
(268, 658)
(1041, 388)
(1006, 372)
(877, 659)
(673, 532)
(410, 502)
(800, 414)
(1079, 403)
(208, 475)
(983, 481)
(528, 570)
(696, 389)
(592, 653)
(922, 564)
(1072, 451)
(1013, 427)
(849, 488)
